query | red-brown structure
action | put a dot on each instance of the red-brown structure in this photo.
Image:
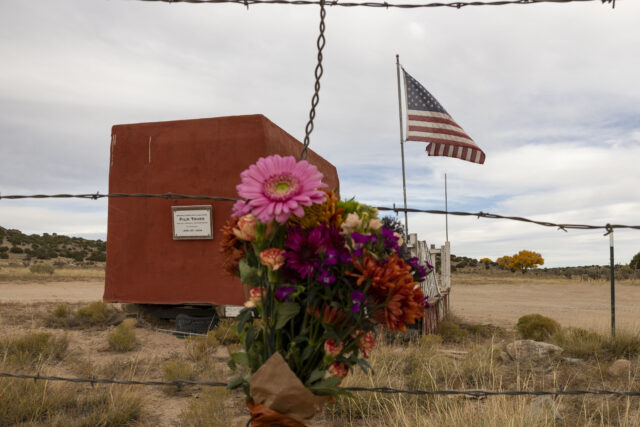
(145, 264)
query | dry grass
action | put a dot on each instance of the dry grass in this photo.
(33, 348)
(14, 273)
(425, 363)
(123, 338)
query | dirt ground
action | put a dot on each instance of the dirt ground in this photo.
(585, 305)
(29, 292)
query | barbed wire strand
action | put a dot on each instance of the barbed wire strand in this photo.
(173, 196)
(320, 43)
(385, 5)
(386, 390)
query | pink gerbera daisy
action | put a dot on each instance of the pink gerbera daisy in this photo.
(276, 187)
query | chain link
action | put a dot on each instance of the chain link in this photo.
(316, 94)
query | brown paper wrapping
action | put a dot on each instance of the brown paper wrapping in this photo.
(275, 386)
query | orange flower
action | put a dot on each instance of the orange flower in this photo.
(331, 348)
(392, 286)
(366, 344)
(338, 369)
(230, 247)
(273, 258)
(331, 315)
(245, 228)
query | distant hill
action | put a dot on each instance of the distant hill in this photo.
(16, 245)
(462, 264)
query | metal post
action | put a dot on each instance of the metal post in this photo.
(404, 182)
(446, 208)
(613, 286)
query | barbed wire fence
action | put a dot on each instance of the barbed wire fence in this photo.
(608, 228)
(385, 390)
(382, 5)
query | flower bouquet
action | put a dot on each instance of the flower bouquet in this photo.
(319, 275)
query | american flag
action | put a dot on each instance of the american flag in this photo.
(428, 121)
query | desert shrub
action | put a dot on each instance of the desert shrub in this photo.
(537, 327)
(16, 250)
(209, 410)
(624, 345)
(578, 342)
(635, 261)
(33, 347)
(4, 249)
(96, 313)
(479, 330)
(225, 332)
(200, 347)
(177, 370)
(97, 256)
(59, 317)
(41, 269)
(4, 255)
(123, 338)
(451, 332)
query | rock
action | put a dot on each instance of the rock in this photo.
(619, 368)
(573, 361)
(543, 407)
(533, 351)
(505, 357)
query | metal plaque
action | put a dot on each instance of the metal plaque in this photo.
(192, 222)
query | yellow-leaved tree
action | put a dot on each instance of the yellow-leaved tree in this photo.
(523, 261)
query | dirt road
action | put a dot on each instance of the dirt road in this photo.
(72, 291)
(581, 305)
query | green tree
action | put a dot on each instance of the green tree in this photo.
(635, 261)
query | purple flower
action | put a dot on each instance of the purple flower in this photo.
(357, 298)
(422, 271)
(282, 293)
(390, 239)
(302, 250)
(360, 239)
(345, 257)
(357, 252)
(413, 262)
(331, 257)
(326, 278)
(426, 303)
(429, 266)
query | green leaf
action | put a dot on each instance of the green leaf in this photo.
(308, 351)
(241, 358)
(249, 338)
(248, 275)
(328, 386)
(365, 366)
(315, 376)
(242, 318)
(285, 312)
(235, 383)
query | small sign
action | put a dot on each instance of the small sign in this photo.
(192, 222)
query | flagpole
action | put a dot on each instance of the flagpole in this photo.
(404, 181)
(446, 208)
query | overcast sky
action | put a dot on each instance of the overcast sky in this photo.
(550, 92)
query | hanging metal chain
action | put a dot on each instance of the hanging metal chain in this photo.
(316, 94)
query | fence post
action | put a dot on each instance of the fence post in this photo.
(613, 286)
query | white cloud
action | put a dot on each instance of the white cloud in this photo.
(542, 89)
